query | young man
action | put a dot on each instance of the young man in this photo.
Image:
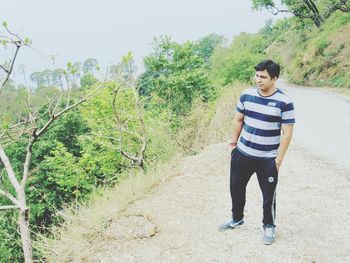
(263, 127)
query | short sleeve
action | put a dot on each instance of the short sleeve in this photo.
(288, 113)
(240, 104)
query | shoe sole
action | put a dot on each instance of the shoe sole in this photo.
(267, 243)
(230, 227)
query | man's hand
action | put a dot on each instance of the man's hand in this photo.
(231, 147)
(287, 131)
(278, 163)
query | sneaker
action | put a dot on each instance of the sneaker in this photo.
(269, 234)
(230, 225)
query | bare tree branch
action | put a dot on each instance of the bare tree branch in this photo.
(10, 197)
(58, 101)
(4, 69)
(6, 207)
(18, 43)
(27, 103)
(27, 161)
(54, 116)
(9, 71)
(342, 6)
(10, 173)
(35, 132)
(129, 156)
(310, 10)
(130, 82)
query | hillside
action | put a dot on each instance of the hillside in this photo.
(313, 56)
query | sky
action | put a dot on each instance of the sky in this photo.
(74, 30)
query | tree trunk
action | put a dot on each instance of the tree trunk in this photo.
(23, 222)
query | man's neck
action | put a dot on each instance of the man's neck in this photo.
(268, 92)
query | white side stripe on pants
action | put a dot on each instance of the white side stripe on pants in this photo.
(273, 207)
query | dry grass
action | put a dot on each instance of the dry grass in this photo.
(220, 126)
(341, 91)
(208, 124)
(73, 239)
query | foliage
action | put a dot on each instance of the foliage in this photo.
(317, 11)
(90, 66)
(54, 174)
(320, 59)
(88, 80)
(9, 238)
(100, 156)
(204, 124)
(177, 74)
(237, 61)
(205, 46)
(58, 180)
(80, 153)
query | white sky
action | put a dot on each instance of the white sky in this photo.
(75, 30)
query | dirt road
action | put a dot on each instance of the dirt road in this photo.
(178, 221)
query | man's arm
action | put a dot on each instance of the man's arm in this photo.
(287, 132)
(237, 128)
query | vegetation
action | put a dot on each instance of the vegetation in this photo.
(316, 11)
(204, 124)
(237, 61)
(122, 128)
(107, 150)
(178, 74)
(312, 56)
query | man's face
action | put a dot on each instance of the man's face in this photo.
(264, 81)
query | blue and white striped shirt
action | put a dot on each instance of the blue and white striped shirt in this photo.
(263, 117)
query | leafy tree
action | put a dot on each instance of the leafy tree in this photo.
(9, 41)
(88, 80)
(15, 190)
(57, 181)
(46, 75)
(127, 82)
(78, 68)
(317, 11)
(57, 75)
(37, 78)
(90, 65)
(237, 62)
(9, 235)
(177, 74)
(100, 155)
(73, 71)
(205, 46)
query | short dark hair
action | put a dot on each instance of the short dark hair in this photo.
(272, 68)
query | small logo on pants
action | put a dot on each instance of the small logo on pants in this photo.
(271, 179)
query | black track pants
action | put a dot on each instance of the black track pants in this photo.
(242, 168)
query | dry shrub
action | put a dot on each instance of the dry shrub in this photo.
(74, 239)
(210, 123)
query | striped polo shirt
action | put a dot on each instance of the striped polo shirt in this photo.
(263, 116)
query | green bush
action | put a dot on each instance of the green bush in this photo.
(178, 74)
(237, 62)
